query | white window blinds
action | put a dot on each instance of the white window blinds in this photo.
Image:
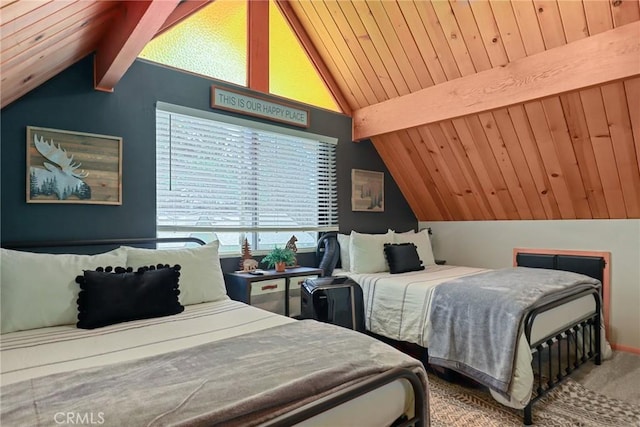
(229, 174)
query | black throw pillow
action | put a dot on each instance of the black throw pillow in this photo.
(402, 257)
(109, 296)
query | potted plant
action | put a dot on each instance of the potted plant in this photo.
(279, 258)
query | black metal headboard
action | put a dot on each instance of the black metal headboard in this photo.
(591, 266)
(98, 245)
(594, 264)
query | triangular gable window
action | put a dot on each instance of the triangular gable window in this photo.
(291, 73)
(213, 42)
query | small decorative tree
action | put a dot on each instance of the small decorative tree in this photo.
(246, 253)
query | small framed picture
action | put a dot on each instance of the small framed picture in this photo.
(73, 167)
(367, 191)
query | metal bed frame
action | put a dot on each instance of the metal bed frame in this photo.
(584, 334)
(420, 416)
(588, 327)
(547, 374)
(99, 242)
(301, 414)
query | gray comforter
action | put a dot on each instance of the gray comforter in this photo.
(475, 321)
(239, 381)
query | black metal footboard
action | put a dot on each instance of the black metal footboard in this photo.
(554, 356)
(573, 347)
(419, 419)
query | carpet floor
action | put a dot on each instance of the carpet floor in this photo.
(618, 377)
(569, 404)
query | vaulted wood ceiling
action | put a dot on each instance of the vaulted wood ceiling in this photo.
(570, 156)
(574, 155)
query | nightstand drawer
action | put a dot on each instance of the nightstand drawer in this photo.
(268, 286)
(269, 295)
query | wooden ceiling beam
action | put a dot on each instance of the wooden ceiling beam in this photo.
(184, 10)
(258, 45)
(121, 46)
(313, 54)
(606, 57)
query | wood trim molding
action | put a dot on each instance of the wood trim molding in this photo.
(606, 57)
(313, 54)
(258, 45)
(606, 274)
(122, 45)
(625, 348)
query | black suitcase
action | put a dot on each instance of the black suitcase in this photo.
(336, 300)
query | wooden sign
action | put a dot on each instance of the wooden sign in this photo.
(230, 100)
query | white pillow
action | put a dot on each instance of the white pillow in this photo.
(343, 241)
(366, 252)
(422, 241)
(201, 277)
(40, 290)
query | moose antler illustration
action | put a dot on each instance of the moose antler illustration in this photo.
(58, 156)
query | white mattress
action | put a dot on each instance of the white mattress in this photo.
(39, 352)
(397, 307)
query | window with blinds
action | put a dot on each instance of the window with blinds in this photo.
(229, 178)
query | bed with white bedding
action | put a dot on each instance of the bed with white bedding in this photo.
(400, 307)
(220, 362)
(397, 307)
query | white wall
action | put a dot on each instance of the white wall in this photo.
(490, 244)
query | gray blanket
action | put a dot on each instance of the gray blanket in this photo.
(475, 321)
(238, 381)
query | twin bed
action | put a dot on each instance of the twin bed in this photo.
(431, 308)
(216, 362)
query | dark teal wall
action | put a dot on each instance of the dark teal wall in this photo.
(69, 102)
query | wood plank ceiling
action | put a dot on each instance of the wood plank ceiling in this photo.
(32, 52)
(41, 38)
(571, 156)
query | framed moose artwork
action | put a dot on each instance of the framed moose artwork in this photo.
(73, 167)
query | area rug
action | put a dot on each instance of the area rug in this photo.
(569, 404)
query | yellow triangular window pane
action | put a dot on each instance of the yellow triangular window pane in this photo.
(291, 73)
(211, 42)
